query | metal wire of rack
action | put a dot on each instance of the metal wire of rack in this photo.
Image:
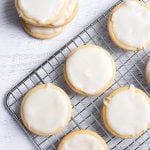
(86, 110)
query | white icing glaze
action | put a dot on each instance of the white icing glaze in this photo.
(83, 142)
(148, 72)
(43, 30)
(71, 4)
(128, 112)
(41, 10)
(89, 69)
(46, 109)
(131, 24)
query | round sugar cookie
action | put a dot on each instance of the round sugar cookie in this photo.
(129, 25)
(148, 72)
(126, 112)
(45, 110)
(89, 70)
(42, 32)
(68, 15)
(39, 12)
(82, 140)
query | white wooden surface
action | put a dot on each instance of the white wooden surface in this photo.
(19, 54)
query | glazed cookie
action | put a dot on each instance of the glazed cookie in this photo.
(129, 25)
(126, 112)
(82, 140)
(39, 12)
(148, 72)
(68, 15)
(89, 70)
(45, 110)
(42, 32)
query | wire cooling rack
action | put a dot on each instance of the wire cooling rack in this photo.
(86, 110)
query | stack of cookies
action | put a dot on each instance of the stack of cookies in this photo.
(48, 18)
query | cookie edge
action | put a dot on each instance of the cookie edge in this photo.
(38, 35)
(74, 13)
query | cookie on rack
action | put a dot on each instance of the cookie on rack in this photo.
(42, 32)
(148, 72)
(126, 112)
(39, 12)
(129, 25)
(45, 110)
(89, 70)
(82, 140)
(68, 15)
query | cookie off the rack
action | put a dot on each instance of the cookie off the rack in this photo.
(89, 70)
(126, 112)
(39, 12)
(45, 110)
(129, 25)
(48, 18)
(82, 140)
